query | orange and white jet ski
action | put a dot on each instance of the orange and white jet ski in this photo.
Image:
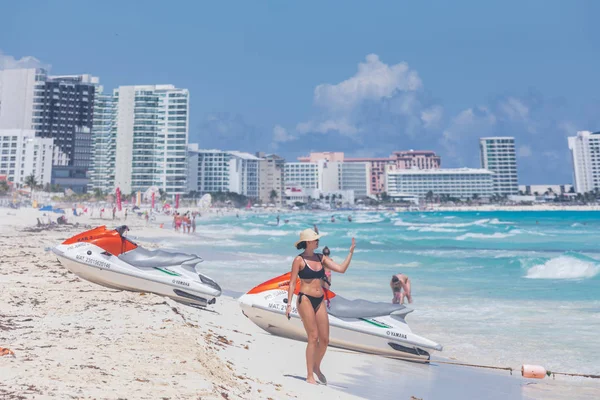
(360, 325)
(108, 258)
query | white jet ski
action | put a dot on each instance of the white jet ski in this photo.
(108, 258)
(360, 325)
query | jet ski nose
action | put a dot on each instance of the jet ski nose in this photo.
(209, 282)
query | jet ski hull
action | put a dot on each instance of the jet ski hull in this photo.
(179, 282)
(387, 335)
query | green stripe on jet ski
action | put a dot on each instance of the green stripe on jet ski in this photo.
(375, 323)
(166, 271)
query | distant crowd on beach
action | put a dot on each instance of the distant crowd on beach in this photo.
(185, 223)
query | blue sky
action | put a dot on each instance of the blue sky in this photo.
(355, 76)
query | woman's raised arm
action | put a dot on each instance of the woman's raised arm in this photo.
(341, 268)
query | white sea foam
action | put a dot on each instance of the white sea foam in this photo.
(433, 229)
(496, 221)
(496, 235)
(400, 222)
(367, 219)
(375, 242)
(413, 264)
(564, 267)
(257, 232)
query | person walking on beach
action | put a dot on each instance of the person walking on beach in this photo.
(114, 212)
(400, 285)
(309, 267)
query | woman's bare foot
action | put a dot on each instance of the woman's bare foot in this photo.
(311, 380)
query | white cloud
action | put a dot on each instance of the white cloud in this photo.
(514, 109)
(373, 81)
(281, 135)
(466, 127)
(525, 151)
(340, 125)
(432, 116)
(568, 128)
(9, 62)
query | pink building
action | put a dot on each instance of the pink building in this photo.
(420, 159)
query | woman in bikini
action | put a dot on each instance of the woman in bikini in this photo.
(310, 268)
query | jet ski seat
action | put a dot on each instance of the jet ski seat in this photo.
(143, 258)
(344, 308)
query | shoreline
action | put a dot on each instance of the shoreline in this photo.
(72, 337)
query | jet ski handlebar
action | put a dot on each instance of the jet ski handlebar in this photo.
(122, 229)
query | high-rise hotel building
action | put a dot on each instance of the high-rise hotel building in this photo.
(141, 138)
(211, 171)
(499, 156)
(58, 107)
(585, 154)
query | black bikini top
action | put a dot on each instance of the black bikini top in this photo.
(308, 273)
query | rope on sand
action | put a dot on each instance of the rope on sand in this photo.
(510, 369)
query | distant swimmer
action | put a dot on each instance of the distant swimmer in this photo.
(349, 218)
(400, 285)
(315, 228)
(332, 218)
(278, 220)
(285, 221)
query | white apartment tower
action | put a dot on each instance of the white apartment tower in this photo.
(585, 154)
(462, 183)
(212, 171)
(303, 175)
(23, 154)
(271, 169)
(141, 136)
(58, 107)
(329, 176)
(499, 156)
(104, 130)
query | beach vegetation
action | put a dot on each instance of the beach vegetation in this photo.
(31, 181)
(222, 198)
(4, 187)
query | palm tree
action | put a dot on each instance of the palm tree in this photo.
(273, 195)
(429, 196)
(475, 196)
(4, 187)
(31, 181)
(98, 193)
(162, 195)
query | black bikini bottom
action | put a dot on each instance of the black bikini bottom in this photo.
(315, 301)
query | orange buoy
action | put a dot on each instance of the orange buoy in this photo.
(533, 371)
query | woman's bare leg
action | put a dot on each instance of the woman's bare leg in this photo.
(312, 333)
(322, 320)
(408, 293)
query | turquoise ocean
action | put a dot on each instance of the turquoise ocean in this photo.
(496, 288)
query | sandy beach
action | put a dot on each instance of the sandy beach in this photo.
(75, 339)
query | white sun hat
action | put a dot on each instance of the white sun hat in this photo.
(307, 235)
